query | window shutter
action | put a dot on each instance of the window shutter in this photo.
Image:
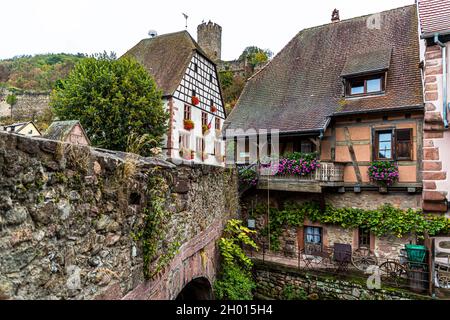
(403, 144)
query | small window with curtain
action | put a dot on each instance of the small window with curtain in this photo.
(403, 139)
(204, 119)
(184, 140)
(187, 112)
(217, 124)
(313, 239)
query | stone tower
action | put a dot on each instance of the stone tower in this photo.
(209, 37)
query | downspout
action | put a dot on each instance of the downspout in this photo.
(444, 76)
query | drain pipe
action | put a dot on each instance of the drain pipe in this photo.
(444, 76)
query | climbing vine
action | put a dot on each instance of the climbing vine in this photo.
(386, 220)
(155, 250)
(235, 280)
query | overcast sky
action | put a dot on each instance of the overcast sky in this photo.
(89, 26)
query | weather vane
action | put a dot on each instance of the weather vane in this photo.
(186, 17)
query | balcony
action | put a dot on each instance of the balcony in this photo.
(328, 175)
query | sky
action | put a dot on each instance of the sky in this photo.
(91, 26)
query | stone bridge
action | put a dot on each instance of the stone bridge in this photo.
(72, 221)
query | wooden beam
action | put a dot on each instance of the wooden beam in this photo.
(353, 155)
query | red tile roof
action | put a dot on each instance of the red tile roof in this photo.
(434, 16)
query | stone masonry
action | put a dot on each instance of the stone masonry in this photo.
(435, 173)
(68, 215)
(29, 105)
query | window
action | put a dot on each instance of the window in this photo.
(403, 144)
(184, 141)
(306, 147)
(204, 119)
(210, 77)
(313, 239)
(217, 148)
(217, 124)
(383, 145)
(211, 102)
(200, 144)
(187, 112)
(194, 93)
(195, 68)
(366, 85)
(393, 144)
(363, 238)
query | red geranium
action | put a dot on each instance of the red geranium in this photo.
(213, 109)
(195, 101)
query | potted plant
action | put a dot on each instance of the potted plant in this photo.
(213, 109)
(384, 173)
(188, 124)
(186, 153)
(205, 129)
(195, 100)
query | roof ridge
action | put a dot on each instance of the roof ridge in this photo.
(357, 17)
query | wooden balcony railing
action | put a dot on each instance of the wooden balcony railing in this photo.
(328, 174)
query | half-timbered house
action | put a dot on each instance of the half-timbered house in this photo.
(189, 81)
(347, 94)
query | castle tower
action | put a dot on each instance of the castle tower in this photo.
(209, 38)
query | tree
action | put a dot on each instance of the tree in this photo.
(112, 99)
(11, 99)
(255, 55)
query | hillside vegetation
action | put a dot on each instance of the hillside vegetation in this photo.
(36, 73)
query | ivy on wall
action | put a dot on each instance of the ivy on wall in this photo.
(386, 220)
(235, 281)
(156, 252)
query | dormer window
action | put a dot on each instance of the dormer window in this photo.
(365, 85)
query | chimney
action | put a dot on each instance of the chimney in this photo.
(335, 16)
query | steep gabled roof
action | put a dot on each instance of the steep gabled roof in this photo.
(434, 16)
(166, 58)
(302, 86)
(59, 130)
(16, 127)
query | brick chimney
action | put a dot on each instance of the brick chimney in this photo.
(335, 16)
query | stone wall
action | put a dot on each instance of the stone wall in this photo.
(436, 138)
(68, 216)
(29, 105)
(272, 280)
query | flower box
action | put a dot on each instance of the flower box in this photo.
(188, 124)
(213, 109)
(384, 173)
(186, 154)
(195, 101)
(205, 129)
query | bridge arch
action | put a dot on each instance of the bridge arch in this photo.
(196, 289)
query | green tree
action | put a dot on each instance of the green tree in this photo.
(255, 55)
(112, 99)
(11, 99)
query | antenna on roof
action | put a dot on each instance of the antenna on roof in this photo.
(186, 17)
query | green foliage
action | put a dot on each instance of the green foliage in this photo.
(142, 145)
(386, 220)
(112, 99)
(301, 156)
(156, 252)
(234, 284)
(37, 73)
(232, 87)
(235, 281)
(11, 99)
(291, 292)
(255, 55)
(248, 176)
